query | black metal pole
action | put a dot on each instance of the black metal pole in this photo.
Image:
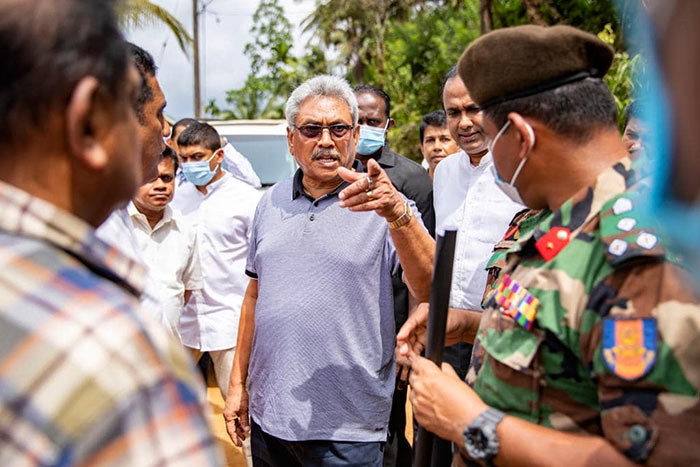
(437, 322)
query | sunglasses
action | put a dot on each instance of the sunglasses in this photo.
(315, 131)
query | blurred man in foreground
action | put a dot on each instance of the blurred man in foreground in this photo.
(676, 196)
(87, 378)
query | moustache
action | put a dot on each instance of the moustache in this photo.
(325, 154)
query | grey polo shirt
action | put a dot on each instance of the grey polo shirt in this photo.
(322, 361)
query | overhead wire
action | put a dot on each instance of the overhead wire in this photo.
(167, 37)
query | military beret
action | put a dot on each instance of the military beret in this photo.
(521, 61)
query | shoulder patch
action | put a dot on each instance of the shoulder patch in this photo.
(624, 234)
(629, 346)
(523, 222)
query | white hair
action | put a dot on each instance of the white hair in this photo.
(322, 85)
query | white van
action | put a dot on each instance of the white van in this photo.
(263, 143)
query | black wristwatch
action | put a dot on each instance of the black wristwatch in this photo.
(480, 438)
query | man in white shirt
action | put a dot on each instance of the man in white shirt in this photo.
(466, 196)
(221, 208)
(168, 245)
(436, 141)
(234, 162)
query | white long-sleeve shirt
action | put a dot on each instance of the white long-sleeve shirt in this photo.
(223, 219)
(468, 198)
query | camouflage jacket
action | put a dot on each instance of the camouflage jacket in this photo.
(591, 328)
(522, 222)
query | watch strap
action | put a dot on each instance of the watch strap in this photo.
(485, 424)
(403, 219)
(492, 416)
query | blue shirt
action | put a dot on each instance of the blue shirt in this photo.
(322, 360)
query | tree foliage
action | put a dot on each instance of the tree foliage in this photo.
(403, 46)
(274, 70)
(419, 53)
(624, 76)
(137, 13)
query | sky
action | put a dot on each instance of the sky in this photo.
(224, 32)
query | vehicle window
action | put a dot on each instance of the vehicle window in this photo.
(268, 154)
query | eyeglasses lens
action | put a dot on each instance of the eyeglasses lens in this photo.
(314, 131)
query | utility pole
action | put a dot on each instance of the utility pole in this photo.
(195, 46)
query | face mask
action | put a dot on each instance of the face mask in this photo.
(372, 139)
(509, 187)
(199, 172)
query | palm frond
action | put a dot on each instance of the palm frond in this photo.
(137, 13)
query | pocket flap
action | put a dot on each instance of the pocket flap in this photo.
(509, 343)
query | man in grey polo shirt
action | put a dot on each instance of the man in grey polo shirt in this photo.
(314, 362)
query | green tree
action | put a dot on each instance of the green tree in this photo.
(405, 47)
(624, 76)
(419, 53)
(137, 13)
(591, 16)
(274, 70)
(357, 28)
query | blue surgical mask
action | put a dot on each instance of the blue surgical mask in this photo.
(199, 172)
(509, 187)
(372, 139)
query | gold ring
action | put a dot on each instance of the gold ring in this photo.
(369, 195)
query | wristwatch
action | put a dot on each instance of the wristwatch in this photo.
(403, 219)
(480, 438)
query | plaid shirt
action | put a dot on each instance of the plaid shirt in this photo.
(85, 377)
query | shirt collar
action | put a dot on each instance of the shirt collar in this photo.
(484, 163)
(26, 215)
(133, 211)
(298, 185)
(213, 186)
(583, 206)
(180, 176)
(387, 158)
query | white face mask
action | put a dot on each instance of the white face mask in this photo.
(509, 187)
(199, 172)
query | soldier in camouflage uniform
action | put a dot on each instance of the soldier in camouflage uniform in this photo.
(590, 328)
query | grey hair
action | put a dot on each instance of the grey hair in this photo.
(322, 85)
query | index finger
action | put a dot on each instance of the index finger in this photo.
(373, 168)
(231, 430)
(406, 328)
